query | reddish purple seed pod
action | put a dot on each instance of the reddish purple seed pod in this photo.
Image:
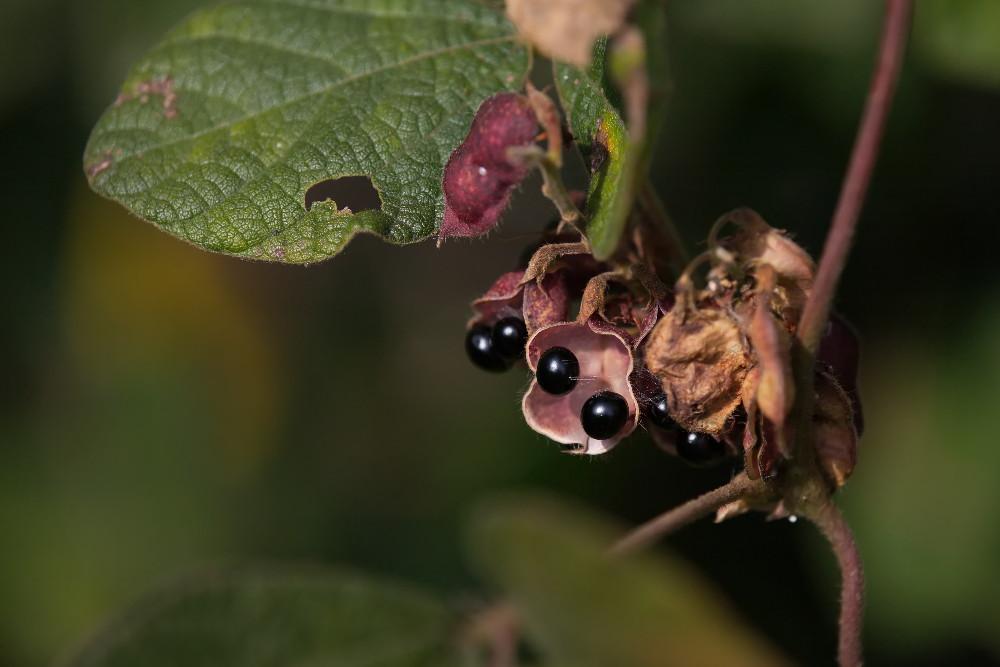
(840, 349)
(474, 187)
(478, 178)
(502, 121)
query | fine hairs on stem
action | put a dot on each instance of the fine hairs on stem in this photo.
(827, 517)
(889, 62)
(825, 514)
(807, 493)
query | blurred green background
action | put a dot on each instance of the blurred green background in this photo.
(164, 408)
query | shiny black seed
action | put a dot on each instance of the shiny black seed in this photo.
(700, 449)
(509, 338)
(604, 414)
(558, 370)
(658, 413)
(479, 347)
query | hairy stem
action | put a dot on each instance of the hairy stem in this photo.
(739, 487)
(859, 171)
(552, 183)
(830, 522)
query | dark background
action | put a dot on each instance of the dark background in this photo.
(164, 408)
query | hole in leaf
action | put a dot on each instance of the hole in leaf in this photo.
(354, 192)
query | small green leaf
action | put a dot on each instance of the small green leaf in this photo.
(594, 120)
(277, 619)
(585, 609)
(222, 127)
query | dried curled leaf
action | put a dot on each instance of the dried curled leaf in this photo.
(546, 257)
(757, 244)
(770, 387)
(833, 425)
(567, 29)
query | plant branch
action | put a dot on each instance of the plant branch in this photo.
(831, 523)
(859, 171)
(739, 487)
(552, 183)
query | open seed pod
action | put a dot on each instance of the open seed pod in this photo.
(508, 313)
(539, 303)
(648, 389)
(605, 363)
(581, 395)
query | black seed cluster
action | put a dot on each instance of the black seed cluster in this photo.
(497, 348)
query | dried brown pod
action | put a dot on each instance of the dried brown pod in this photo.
(758, 244)
(702, 360)
(567, 29)
(770, 386)
(833, 427)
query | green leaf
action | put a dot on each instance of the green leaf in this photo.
(221, 129)
(276, 619)
(583, 608)
(594, 119)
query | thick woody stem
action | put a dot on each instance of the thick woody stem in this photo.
(838, 243)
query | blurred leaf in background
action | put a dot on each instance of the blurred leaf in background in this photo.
(960, 40)
(142, 433)
(584, 608)
(272, 617)
(925, 505)
(164, 387)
